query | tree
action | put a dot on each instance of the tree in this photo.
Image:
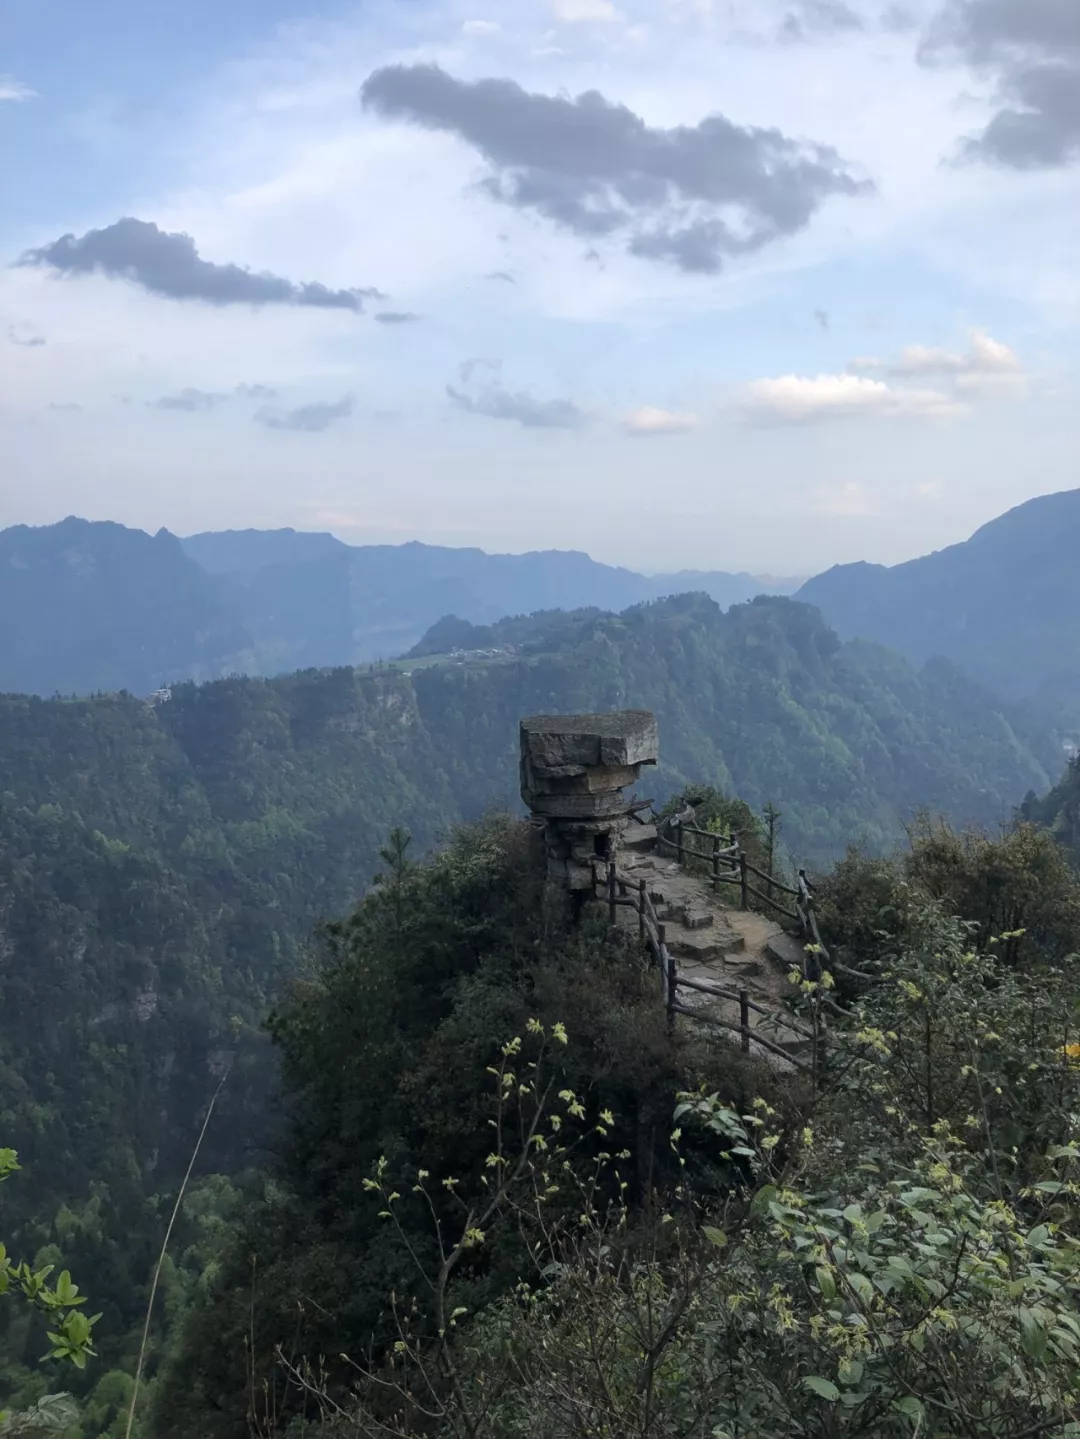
(901, 1265)
(70, 1337)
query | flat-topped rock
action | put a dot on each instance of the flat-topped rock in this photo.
(561, 746)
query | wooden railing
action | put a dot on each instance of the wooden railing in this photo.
(622, 891)
(726, 862)
(729, 864)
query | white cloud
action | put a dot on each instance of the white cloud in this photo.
(577, 12)
(800, 400)
(986, 356)
(481, 28)
(651, 421)
(11, 89)
(987, 365)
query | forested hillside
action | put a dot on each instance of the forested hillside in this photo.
(163, 867)
(763, 701)
(1002, 605)
(488, 1221)
(1059, 811)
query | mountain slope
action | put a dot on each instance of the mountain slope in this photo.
(1003, 604)
(95, 606)
(310, 600)
(100, 607)
(162, 867)
(764, 701)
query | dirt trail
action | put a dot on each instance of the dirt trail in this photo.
(718, 944)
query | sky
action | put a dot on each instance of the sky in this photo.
(753, 285)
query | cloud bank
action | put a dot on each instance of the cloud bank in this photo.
(311, 418)
(189, 399)
(169, 265)
(1032, 49)
(691, 196)
(480, 391)
(987, 364)
(14, 90)
(800, 400)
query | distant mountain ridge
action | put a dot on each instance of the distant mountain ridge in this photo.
(1004, 604)
(92, 605)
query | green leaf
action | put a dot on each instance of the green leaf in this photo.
(826, 1283)
(714, 1236)
(909, 1406)
(824, 1387)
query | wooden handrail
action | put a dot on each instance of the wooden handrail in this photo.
(632, 892)
(718, 992)
(769, 879)
(756, 1037)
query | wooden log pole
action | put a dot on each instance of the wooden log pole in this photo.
(643, 900)
(744, 1019)
(612, 886)
(680, 843)
(744, 883)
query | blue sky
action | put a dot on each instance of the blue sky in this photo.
(796, 285)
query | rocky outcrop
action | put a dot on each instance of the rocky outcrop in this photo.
(575, 771)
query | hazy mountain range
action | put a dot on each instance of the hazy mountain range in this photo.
(1005, 604)
(97, 606)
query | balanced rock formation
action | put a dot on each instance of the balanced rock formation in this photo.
(574, 771)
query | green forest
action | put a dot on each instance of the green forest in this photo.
(460, 1176)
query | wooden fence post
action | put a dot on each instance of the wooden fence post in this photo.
(679, 843)
(716, 863)
(611, 885)
(643, 898)
(820, 1042)
(743, 881)
(672, 985)
(661, 941)
(744, 1019)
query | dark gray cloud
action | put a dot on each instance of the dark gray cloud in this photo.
(189, 399)
(596, 168)
(256, 392)
(26, 336)
(396, 317)
(1032, 48)
(169, 265)
(319, 415)
(480, 391)
(813, 18)
(822, 318)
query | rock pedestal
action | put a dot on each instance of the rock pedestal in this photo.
(574, 770)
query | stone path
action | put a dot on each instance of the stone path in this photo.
(715, 943)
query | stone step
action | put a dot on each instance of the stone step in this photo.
(786, 951)
(749, 968)
(704, 946)
(696, 918)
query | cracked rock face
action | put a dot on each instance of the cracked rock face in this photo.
(575, 770)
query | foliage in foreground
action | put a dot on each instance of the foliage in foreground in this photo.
(70, 1336)
(904, 1261)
